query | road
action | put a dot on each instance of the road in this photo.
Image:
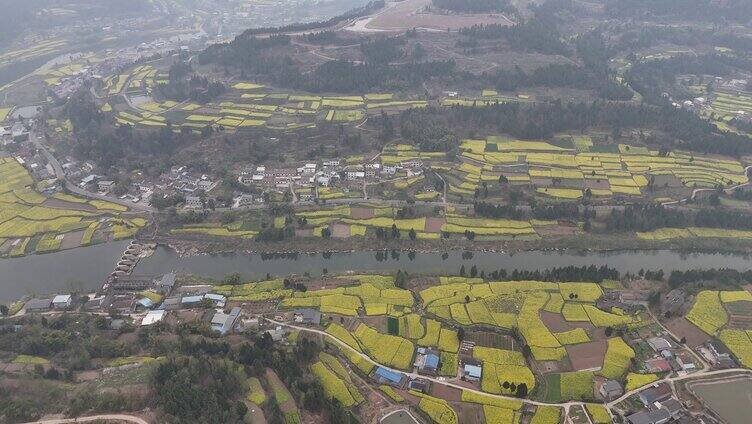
(565, 405)
(110, 417)
(60, 174)
(696, 191)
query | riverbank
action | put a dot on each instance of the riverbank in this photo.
(85, 269)
(188, 246)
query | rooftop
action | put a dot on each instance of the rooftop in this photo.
(153, 317)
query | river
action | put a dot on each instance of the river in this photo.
(85, 268)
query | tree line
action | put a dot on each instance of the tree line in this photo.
(647, 217)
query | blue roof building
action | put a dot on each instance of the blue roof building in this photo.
(432, 362)
(384, 375)
(473, 371)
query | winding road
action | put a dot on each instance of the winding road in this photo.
(60, 174)
(108, 417)
(565, 405)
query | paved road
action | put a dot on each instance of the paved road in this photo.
(60, 174)
(565, 405)
(697, 191)
(111, 417)
(415, 375)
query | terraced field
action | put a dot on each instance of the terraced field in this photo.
(727, 105)
(246, 105)
(31, 222)
(570, 170)
(429, 318)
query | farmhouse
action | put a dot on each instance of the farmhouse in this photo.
(153, 317)
(223, 323)
(38, 305)
(194, 202)
(654, 394)
(611, 390)
(383, 375)
(307, 316)
(472, 372)
(62, 301)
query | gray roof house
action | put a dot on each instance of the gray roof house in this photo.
(611, 389)
(166, 282)
(223, 323)
(307, 316)
(654, 417)
(38, 305)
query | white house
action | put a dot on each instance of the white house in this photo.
(193, 202)
(62, 301)
(153, 317)
(105, 185)
(243, 201)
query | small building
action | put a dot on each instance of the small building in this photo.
(307, 316)
(191, 301)
(659, 344)
(224, 323)
(194, 202)
(205, 185)
(94, 304)
(171, 303)
(419, 385)
(153, 317)
(611, 390)
(62, 301)
(243, 201)
(657, 365)
(657, 393)
(384, 375)
(685, 361)
(105, 185)
(472, 372)
(660, 416)
(277, 334)
(672, 406)
(165, 283)
(38, 305)
(217, 299)
(144, 303)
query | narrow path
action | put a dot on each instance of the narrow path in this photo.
(565, 405)
(110, 417)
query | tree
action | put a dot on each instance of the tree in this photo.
(326, 233)
(473, 271)
(462, 271)
(4, 310)
(412, 234)
(521, 390)
(460, 334)
(395, 232)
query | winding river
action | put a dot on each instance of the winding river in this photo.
(85, 268)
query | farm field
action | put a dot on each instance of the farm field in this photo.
(245, 106)
(31, 222)
(365, 220)
(728, 316)
(371, 315)
(728, 105)
(571, 169)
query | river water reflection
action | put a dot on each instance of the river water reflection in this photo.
(85, 268)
